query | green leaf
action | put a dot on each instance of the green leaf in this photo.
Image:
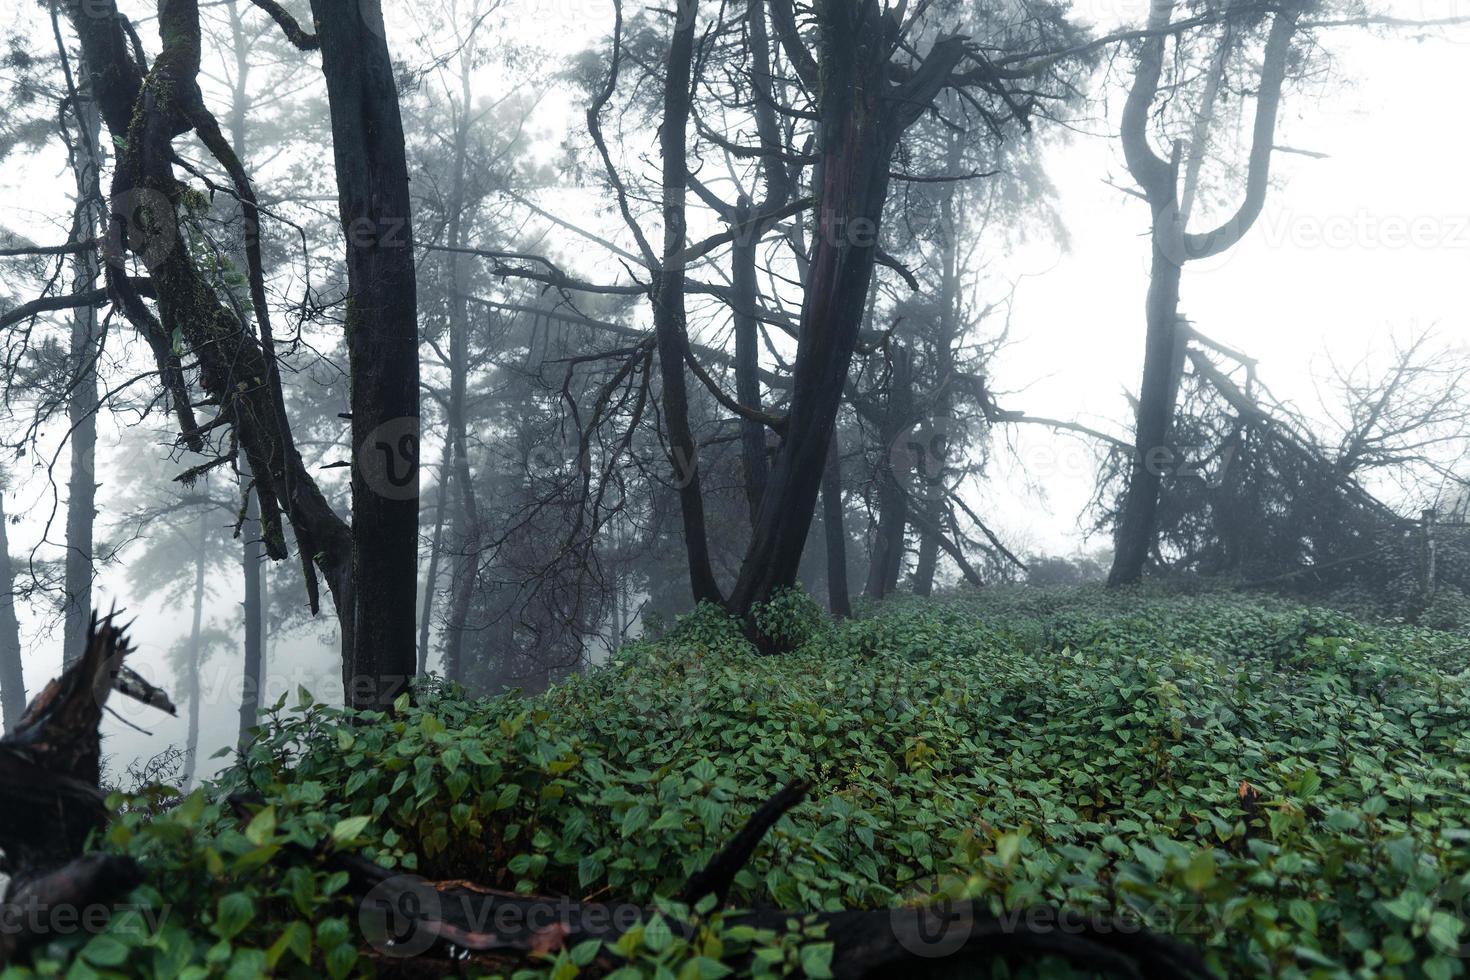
(816, 960)
(1201, 870)
(349, 829)
(234, 913)
(262, 826)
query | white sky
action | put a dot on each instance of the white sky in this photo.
(1371, 240)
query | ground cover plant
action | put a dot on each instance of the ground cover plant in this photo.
(1286, 788)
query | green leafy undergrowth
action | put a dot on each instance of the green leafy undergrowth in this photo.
(1285, 787)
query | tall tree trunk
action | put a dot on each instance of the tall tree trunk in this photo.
(435, 548)
(861, 116)
(192, 686)
(12, 675)
(668, 305)
(382, 348)
(744, 286)
(467, 530)
(886, 561)
(746, 295)
(81, 407)
(1155, 416)
(252, 558)
(834, 526)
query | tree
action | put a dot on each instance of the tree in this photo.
(1171, 187)
(150, 220)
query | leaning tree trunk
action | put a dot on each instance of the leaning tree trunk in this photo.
(382, 348)
(12, 676)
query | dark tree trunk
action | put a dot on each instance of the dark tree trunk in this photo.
(834, 525)
(668, 305)
(12, 676)
(886, 561)
(861, 117)
(745, 288)
(143, 115)
(1152, 456)
(747, 366)
(382, 347)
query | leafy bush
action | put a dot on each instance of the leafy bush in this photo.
(1065, 747)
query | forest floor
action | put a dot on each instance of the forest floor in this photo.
(1284, 787)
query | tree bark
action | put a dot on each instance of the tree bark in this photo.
(12, 674)
(834, 525)
(435, 547)
(886, 561)
(252, 567)
(143, 116)
(382, 347)
(191, 745)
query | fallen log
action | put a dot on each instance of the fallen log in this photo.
(419, 928)
(50, 800)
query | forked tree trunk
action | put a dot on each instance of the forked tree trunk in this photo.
(861, 116)
(1172, 246)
